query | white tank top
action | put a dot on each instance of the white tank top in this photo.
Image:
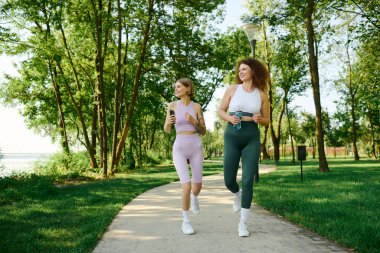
(245, 101)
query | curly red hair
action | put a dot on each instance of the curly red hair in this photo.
(260, 74)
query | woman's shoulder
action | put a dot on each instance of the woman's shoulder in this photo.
(172, 105)
(197, 106)
(263, 94)
(232, 88)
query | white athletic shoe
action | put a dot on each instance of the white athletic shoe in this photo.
(243, 230)
(194, 204)
(237, 202)
(187, 229)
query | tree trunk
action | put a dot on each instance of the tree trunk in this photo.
(352, 90)
(101, 39)
(276, 138)
(353, 125)
(89, 147)
(136, 83)
(117, 99)
(290, 134)
(264, 144)
(94, 124)
(57, 93)
(78, 105)
(62, 124)
(313, 65)
(372, 131)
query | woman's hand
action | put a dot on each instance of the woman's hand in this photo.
(260, 119)
(233, 119)
(190, 118)
(172, 119)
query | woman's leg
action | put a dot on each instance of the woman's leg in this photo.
(180, 163)
(187, 228)
(250, 163)
(185, 201)
(231, 159)
(196, 164)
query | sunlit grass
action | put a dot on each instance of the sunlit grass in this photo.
(36, 215)
(342, 204)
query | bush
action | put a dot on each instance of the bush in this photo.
(62, 165)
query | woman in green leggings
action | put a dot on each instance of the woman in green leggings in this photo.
(244, 106)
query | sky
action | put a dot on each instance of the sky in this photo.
(15, 137)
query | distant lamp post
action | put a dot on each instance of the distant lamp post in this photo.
(252, 31)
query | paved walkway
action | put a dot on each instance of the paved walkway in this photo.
(152, 223)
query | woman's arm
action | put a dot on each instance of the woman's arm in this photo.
(169, 119)
(199, 123)
(225, 104)
(263, 118)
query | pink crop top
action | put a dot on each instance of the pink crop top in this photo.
(181, 125)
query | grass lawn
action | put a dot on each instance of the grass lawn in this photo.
(342, 205)
(38, 216)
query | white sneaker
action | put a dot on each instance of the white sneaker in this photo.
(237, 202)
(187, 229)
(243, 230)
(194, 204)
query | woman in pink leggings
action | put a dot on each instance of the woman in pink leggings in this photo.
(187, 118)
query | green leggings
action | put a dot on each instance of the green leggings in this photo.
(244, 143)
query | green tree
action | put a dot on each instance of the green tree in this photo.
(93, 65)
(309, 129)
(340, 127)
(335, 134)
(283, 51)
(367, 69)
(314, 15)
(289, 70)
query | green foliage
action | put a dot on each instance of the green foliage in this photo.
(337, 132)
(68, 55)
(63, 79)
(64, 166)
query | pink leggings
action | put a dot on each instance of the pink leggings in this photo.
(188, 146)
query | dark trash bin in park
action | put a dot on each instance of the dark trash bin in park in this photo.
(301, 154)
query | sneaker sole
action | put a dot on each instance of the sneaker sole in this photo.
(243, 235)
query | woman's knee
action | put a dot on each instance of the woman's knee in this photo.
(231, 184)
(247, 183)
(196, 188)
(186, 187)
